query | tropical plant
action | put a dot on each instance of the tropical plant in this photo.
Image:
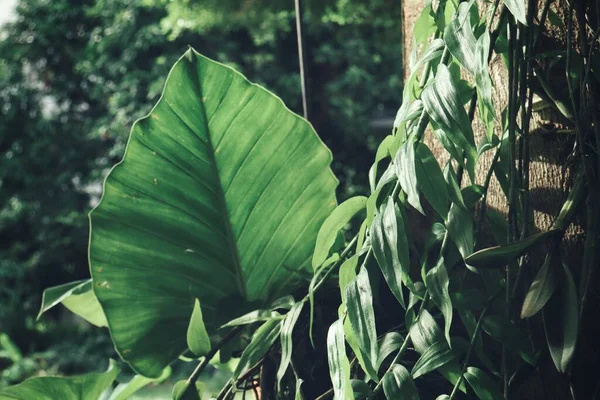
(223, 210)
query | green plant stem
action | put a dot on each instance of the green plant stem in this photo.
(325, 395)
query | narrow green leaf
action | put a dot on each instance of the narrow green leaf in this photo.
(431, 180)
(435, 356)
(383, 151)
(10, 348)
(437, 282)
(390, 248)
(391, 342)
(561, 321)
(333, 224)
(252, 317)
(78, 297)
(485, 388)
(346, 274)
(483, 83)
(443, 104)
(197, 338)
(453, 185)
(359, 304)
(123, 391)
(498, 256)
(518, 9)
(298, 395)
(398, 384)
(405, 165)
(261, 342)
(541, 288)
(339, 367)
(460, 39)
(285, 302)
(183, 390)
(287, 327)
(510, 335)
(460, 229)
(470, 322)
(79, 387)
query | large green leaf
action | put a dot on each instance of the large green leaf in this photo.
(339, 367)
(219, 197)
(80, 387)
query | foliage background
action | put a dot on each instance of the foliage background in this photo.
(75, 75)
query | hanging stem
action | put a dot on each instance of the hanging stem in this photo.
(301, 57)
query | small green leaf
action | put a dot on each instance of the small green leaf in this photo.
(390, 248)
(460, 39)
(287, 327)
(398, 384)
(346, 274)
(435, 356)
(541, 289)
(252, 317)
(339, 367)
(261, 342)
(333, 224)
(183, 390)
(197, 338)
(431, 180)
(359, 304)
(123, 391)
(437, 282)
(485, 388)
(360, 389)
(518, 9)
(78, 297)
(555, 19)
(10, 348)
(499, 256)
(405, 165)
(424, 25)
(561, 321)
(79, 387)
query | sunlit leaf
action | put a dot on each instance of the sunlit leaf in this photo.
(339, 367)
(80, 387)
(460, 40)
(499, 256)
(197, 338)
(518, 9)
(398, 384)
(219, 197)
(333, 224)
(435, 356)
(561, 321)
(287, 327)
(390, 248)
(123, 391)
(541, 288)
(485, 388)
(405, 165)
(383, 151)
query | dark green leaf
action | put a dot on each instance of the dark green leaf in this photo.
(333, 224)
(431, 180)
(390, 248)
(383, 151)
(360, 389)
(339, 367)
(541, 288)
(78, 297)
(437, 283)
(405, 165)
(485, 388)
(220, 196)
(197, 338)
(510, 335)
(435, 356)
(287, 327)
(460, 39)
(453, 186)
(359, 304)
(498, 256)
(391, 342)
(518, 9)
(483, 82)
(561, 321)
(80, 387)
(460, 229)
(261, 342)
(398, 384)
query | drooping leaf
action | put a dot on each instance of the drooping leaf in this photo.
(499, 256)
(124, 391)
(405, 165)
(453, 185)
(80, 387)
(510, 335)
(9, 349)
(298, 395)
(470, 323)
(383, 151)
(444, 106)
(359, 304)
(460, 229)
(261, 342)
(198, 340)
(518, 9)
(483, 82)
(437, 283)
(398, 384)
(431, 180)
(220, 196)
(485, 388)
(287, 327)
(184, 390)
(311, 292)
(391, 342)
(390, 248)
(360, 389)
(339, 367)
(541, 288)
(460, 40)
(435, 356)
(78, 297)
(333, 224)
(252, 317)
(561, 321)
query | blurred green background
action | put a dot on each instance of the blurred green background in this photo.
(75, 75)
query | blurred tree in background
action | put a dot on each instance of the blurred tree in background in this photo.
(75, 75)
